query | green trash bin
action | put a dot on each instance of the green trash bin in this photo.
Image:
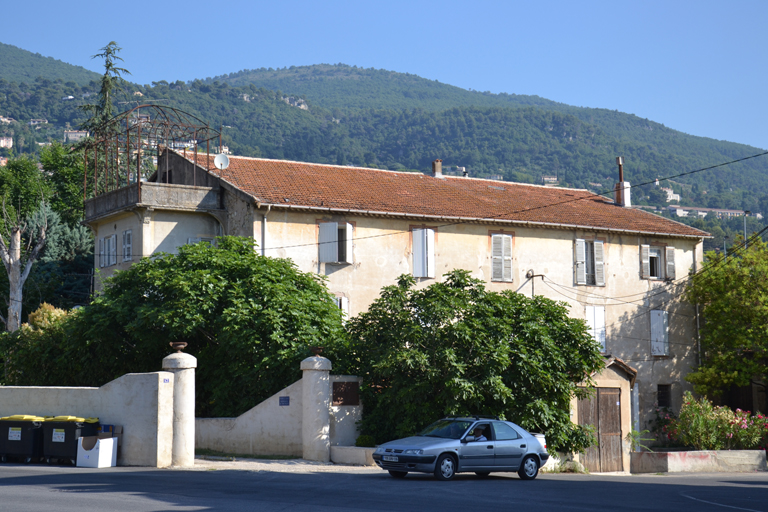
(21, 437)
(60, 435)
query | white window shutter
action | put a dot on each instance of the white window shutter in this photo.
(429, 244)
(129, 245)
(113, 251)
(348, 231)
(580, 262)
(344, 305)
(101, 252)
(659, 333)
(124, 233)
(328, 242)
(589, 318)
(419, 258)
(599, 264)
(645, 261)
(670, 260)
(507, 258)
(600, 325)
(497, 257)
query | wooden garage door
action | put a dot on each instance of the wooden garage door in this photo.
(603, 411)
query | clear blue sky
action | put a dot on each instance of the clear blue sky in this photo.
(696, 66)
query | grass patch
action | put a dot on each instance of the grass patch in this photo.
(232, 456)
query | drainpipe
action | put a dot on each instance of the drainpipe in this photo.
(264, 231)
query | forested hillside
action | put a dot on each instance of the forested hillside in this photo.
(19, 65)
(353, 116)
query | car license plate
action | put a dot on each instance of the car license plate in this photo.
(389, 458)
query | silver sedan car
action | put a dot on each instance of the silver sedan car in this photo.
(456, 445)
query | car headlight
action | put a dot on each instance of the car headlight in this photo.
(379, 450)
(413, 451)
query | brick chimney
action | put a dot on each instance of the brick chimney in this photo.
(621, 189)
(437, 169)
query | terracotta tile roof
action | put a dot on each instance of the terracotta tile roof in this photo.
(299, 184)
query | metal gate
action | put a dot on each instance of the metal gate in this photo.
(603, 411)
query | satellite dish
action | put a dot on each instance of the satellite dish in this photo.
(221, 161)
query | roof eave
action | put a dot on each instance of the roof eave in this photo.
(259, 204)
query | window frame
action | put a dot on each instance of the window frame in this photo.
(666, 262)
(501, 257)
(335, 242)
(586, 251)
(128, 245)
(595, 319)
(423, 242)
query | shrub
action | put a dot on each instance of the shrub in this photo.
(707, 427)
(365, 441)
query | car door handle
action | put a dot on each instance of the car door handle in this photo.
(522, 446)
(490, 447)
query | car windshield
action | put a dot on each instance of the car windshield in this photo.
(447, 429)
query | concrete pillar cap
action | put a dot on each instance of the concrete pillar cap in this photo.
(318, 363)
(179, 360)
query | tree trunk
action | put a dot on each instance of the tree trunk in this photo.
(15, 295)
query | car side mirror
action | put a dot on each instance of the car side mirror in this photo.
(468, 439)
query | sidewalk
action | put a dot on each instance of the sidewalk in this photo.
(212, 463)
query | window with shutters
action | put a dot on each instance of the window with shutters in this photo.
(589, 262)
(335, 242)
(595, 318)
(127, 245)
(343, 304)
(657, 262)
(108, 251)
(501, 257)
(423, 252)
(659, 333)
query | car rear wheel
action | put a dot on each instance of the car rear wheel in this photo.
(445, 468)
(398, 474)
(529, 469)
(483, 474)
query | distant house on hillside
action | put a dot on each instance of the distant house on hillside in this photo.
(6, 142)
(71, 136)
(35, 122)
(361, 228)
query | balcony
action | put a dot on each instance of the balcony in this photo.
(153, 195)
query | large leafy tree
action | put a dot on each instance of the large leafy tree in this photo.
(249, 320)
(457, 348)
(733, 297)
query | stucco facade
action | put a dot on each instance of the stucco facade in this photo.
(384, 245)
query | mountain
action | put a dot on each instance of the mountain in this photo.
(17, 65)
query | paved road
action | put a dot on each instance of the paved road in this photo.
(297, 486)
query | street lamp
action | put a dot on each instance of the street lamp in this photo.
(746, 212)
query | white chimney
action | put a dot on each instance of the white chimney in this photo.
(437, 168)
(621, 190)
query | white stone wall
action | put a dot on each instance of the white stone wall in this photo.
(141, 402)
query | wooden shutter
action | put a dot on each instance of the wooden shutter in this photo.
(127, 245)
(348, 243)
(328, 242)
(659, 333)
(599, 264)
(101, 252)
(669, 258)
(113, 250)
(645, 261)
(507, 258)
(497, 257)
(419, 269)
(429, 245)
(580, 262)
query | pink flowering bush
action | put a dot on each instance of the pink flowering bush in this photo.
(706, 427)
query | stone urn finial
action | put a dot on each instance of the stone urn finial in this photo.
(178, 346)
(316, 351)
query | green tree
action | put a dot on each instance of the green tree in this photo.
(457, 348)
(249, 320)
(111, 81)
(65, 171)
(733, 300)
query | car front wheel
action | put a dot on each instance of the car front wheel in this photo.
(398, 474)
(445, 468)
(529, 469)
